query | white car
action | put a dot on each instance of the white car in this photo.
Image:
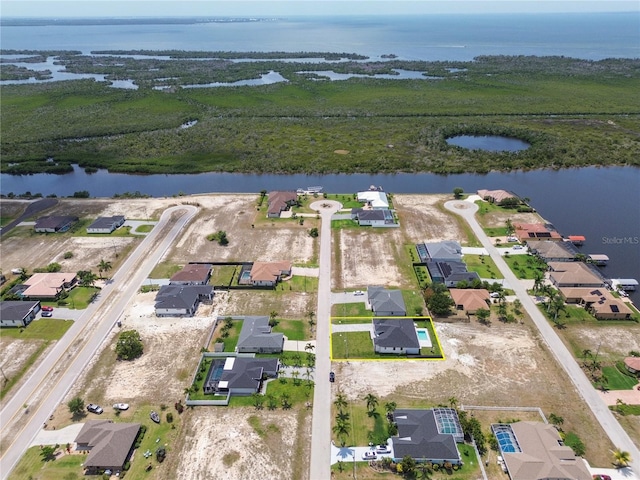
(369, 455)
(358, 292)
(121, 406)
(383, 449)
(517, 247)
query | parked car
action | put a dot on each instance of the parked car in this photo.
(601, 477)
(93, 408)
(369, 455)
(494, 295)
(332, 377)
(517, 247)
(358, 292)
(121, 406)
(46, 314)
(47, 309)
(383, 449)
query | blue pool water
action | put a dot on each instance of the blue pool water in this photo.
(245, 276)
(422, 335)
(506, 439)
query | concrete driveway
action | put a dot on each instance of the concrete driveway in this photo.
(591, 397)
(58, 437)
(351, 454)
(348, 297)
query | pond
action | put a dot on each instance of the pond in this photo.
(491, 143)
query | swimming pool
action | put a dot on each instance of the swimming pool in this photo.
(423, 337)
(506, 438)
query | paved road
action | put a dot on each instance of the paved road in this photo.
(320, 463)
(610, 425)
(61, 367)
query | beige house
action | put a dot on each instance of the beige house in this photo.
(573, 274)
(496, 196)
(599, 301)
(280, 201)
(267, 274)
(535, 232)
(470, 300)
(632, 364)
(48, 285)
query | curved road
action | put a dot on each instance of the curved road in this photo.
(320, 463)
(609, 424)
(68, 358)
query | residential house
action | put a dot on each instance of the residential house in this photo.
(18, 313)
(109, 444)
(632, 364)
(54, 224)
(470, 300)
(445, 251)
(574, 274)
(395, 336)
(427, 435)
(382, 217)
(599, 301)
(181, 300)
(268, 274)
(192, 274)
(106, 224)
(535, 232)
(450, 273)
(496, 196)
(256, 337)
(386, 303)
(550, 251)
(240, 376)
(48, 285)
(374, 199)
(278, 202)
(534, 450)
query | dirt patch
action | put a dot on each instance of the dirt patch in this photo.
(288, 305)
(221, 440)
(421, 219)
(13, 208)
(341, 152)
(620, 340)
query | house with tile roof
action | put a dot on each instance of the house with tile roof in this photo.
(632, 364)
(192, 274)
(550, 251)
(574, 274)
(109, 444)
(268, 274)
(536, 451)
(48, 286)
(279, 201)
(386, 303)
(181, 300)
(496, 196)
(106, 224)
(536, 232)
(256, 337)
(16, 313)
(470, 300)
(395, 336)
(598, 301)
(423, 439)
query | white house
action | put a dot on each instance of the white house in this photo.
(105, 224)
(374, 199)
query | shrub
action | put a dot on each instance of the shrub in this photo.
(169, 417)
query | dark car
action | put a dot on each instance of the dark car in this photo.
(332, 377)
(93, 408)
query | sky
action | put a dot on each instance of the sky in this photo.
(283, 8)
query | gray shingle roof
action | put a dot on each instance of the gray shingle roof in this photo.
(418, 437)
(16, 309)
(445, 250)
(107, 222)
(247, 372)
(382, 300)
(181, 296)
(256, 334)
(395, 333)
(110, 442)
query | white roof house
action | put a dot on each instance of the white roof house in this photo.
(374, 199)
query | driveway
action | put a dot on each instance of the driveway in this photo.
(351, 454)
(134, 224)
(305, 271)
(320, 463)
(591, 397)
(353, 327)
(58, 437)
(348, 297)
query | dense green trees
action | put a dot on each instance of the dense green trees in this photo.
(129, 345)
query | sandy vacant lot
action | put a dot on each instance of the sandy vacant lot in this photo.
(422, 220)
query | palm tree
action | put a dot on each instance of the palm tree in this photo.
(272, 318)
(309, 347)
(340, 402)
(424, 471)
(372, 402)
(311, 315)
(258, 400)
(390, 407)
(341, 429)
(104, 266)
(284, 399)
(621, 458)
(453, 401)
(538, 281)
(342, 416)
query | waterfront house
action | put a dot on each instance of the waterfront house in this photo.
(386, 303)
(550, 251)
(109, 444)
(374, 199)
(599, 302)
(16, 313)
(536, 232)
(496, 196)
(574, 274)
(106, 224)
(395, 336)
(279, 201)
(427, 435)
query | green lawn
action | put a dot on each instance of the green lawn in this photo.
(495, 231)
(525, 266)
(146, 228)
(223, 274)
(63, 468)
(414, 302)
(616, 380)
(345, 345)
(350, 309)
(344, 224)
(293, 329)
(483, 265)
(365, 428)
(41, 329)
(298, 394)
(298, 283)
(164, 270)
(351, 320)
(79, 298)
(231, 340)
